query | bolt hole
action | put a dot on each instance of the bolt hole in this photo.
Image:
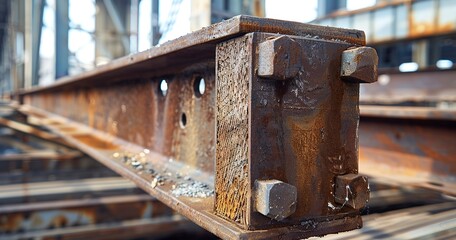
(199, 86)
(183, 121)
(163, 87)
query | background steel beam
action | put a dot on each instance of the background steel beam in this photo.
(409, 145)
(427, 89)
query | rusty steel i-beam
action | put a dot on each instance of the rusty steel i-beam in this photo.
(248, 127)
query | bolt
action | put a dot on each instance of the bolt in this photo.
(352, 190)
(359, 65)
(279, 58)
(275, 199)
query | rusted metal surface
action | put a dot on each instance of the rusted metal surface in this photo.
(65, 213)
(65, 189)
(59, 214)
(413, 88)
(409, 149)
(28, 159)
(197, 46)
(31, 130)
(408, 112)
(37, 170)
(301, 131)
(352, 190)
(40, 155)
(89, 203)
(278, 58)
(410, 144)
(397, 20)
(434, 221)
(200, 152)
(359, 65)
(173, 227)
(401, 211)
(160, 228)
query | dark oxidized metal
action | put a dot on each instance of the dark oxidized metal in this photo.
(197, 121)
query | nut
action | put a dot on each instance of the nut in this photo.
(275, 199)
(352, 190)
(279, 58)
(359, 65)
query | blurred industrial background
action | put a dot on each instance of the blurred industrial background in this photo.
(48, 189)
(43, 40)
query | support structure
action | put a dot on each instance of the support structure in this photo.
(61, 38)
(248, 127)
(33, 22)
(112, 35)
(118, 22)
(155, 31)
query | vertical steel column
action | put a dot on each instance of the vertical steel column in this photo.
(134, 25)
(119, 22)
(17, 37)
(36, 31)
(5, 67)
(13, 38)
(111, 30)
(33, 23)
(326, 7)
(155, 24)
(28, 38)
(61, 38)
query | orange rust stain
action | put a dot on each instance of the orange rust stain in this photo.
(388, 141)
(11, 222)
(91, 110)
(95, 142)
(378, 161)
(358, 58)
(65, 128)
(53, 123)
(305, 140)
(432, 153)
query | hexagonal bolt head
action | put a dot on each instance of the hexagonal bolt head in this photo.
(279, 58)
(359, 65)
(352, 190)
(275, 199)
